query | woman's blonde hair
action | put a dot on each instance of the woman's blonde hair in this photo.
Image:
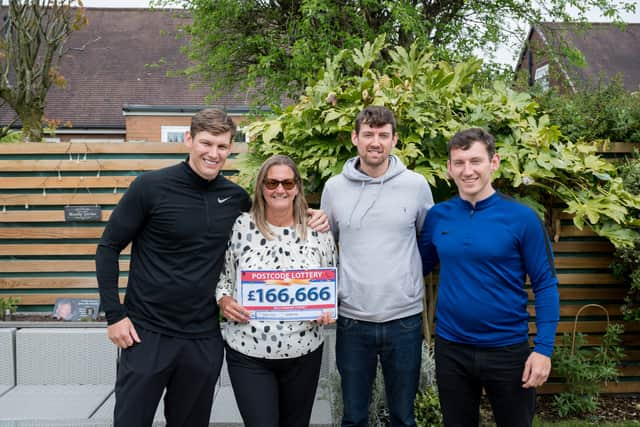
(259, 206)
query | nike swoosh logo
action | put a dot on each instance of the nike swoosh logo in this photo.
(223, 200)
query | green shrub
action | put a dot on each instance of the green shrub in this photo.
(428, 367)
(8, 306)
(606, 111)
(427, 408)
(427, 403)
(626, 264)
(585, 370)
(378, 412)
(12, 136)
(631, 175)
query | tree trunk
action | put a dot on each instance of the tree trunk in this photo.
(31, 124)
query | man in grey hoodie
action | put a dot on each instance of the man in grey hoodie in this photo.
(376, 208)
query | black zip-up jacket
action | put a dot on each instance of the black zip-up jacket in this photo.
(179, 225)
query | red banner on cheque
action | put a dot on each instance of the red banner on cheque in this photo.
(289, 294)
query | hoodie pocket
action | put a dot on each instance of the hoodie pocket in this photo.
(390, 296)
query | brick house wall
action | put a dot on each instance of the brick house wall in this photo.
(534, 58)
(148, 128)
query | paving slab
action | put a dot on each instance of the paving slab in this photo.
(66, 423)
(105, 412)
(328, 366)
(54, 423)
(4, 389)
(38, 402)
(224, 374)
(321, 414)
(225, 404)
(225, 410)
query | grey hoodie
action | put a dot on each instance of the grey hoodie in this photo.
(375, 222)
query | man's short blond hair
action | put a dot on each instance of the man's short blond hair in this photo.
(212, 120)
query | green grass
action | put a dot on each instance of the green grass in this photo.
(575, 423)
(583, 423)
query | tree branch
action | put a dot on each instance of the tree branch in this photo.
(30, 48)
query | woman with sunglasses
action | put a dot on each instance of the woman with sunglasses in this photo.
(273, 365)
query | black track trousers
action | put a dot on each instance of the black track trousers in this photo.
(187, 368)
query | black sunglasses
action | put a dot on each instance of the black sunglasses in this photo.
(272, 184)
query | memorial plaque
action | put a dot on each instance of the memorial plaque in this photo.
(82, 213)
(76, 309)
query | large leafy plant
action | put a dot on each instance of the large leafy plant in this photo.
(432, 100)
(606, 111)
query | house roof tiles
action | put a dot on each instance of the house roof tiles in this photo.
(122, 57)
(607, 49)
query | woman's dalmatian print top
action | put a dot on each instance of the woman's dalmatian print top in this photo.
(249, 250)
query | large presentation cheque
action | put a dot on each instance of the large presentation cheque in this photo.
(289, 294)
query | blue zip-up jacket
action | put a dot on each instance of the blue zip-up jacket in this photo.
(485, 253)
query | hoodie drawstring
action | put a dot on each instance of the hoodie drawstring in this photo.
(355, 205)
(373, 202)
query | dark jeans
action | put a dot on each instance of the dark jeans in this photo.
(398, 344)
(462, 371)
(274, 392)
(187, 368)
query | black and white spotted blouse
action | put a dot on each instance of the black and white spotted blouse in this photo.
(249, 250)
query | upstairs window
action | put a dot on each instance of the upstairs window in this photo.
(173, 134)
(541, 77)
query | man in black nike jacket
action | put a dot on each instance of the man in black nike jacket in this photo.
(178, 221)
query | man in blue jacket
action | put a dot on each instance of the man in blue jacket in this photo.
(487, 244)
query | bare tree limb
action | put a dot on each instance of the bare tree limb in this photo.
(31, 47)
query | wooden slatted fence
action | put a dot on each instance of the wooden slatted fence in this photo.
(583, 263)
(43, 257)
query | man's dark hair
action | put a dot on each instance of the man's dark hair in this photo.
(465, 138)
(376, 116)
(216, 122)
